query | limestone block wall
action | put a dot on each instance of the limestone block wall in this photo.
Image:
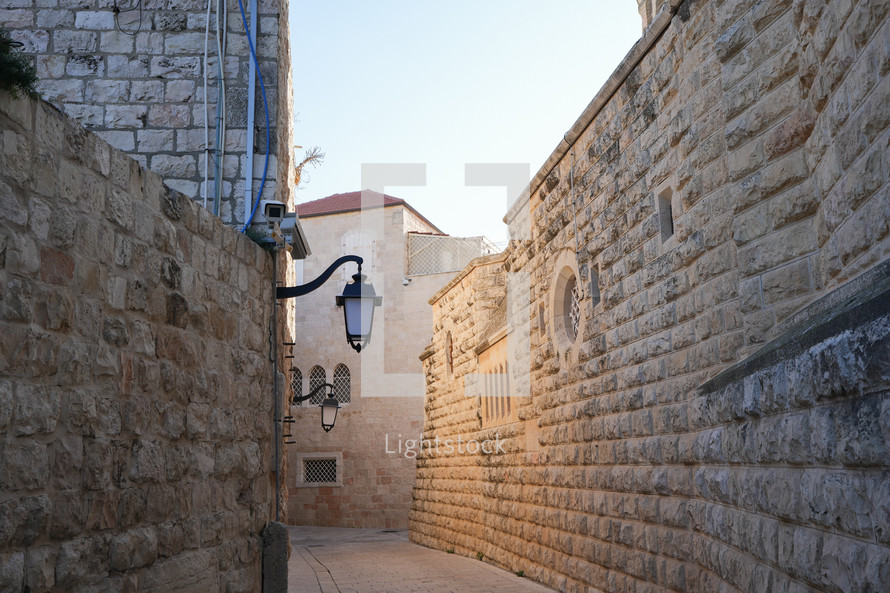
(732, 172)
(135, 382)
(137, 80)
(771, 477)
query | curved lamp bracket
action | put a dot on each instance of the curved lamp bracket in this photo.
(289, 292)
(313, 393)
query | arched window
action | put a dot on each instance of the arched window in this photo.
(566, 307)
(341, 384)
(496, 402)
(317, 377)
(296, 383)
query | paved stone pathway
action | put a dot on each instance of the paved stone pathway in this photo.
(340, 560)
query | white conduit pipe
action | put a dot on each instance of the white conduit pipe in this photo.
(222, 18)
(251, 107)
(225, 47)
(206, 108)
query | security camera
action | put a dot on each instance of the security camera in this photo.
(273, 211)
(406, 281)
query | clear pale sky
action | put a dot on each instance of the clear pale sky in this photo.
(447, 83)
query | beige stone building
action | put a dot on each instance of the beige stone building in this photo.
(356, 475)
(677, 356)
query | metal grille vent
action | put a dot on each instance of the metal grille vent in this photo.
(320, 470)
(575, 310)
(498, 403)
(436, 254)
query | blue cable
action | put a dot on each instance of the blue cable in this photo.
(266, 108)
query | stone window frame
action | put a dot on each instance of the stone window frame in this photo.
(566, 274)
(667, 203)
(359, 242)
(593, 281)
(449, 355)
(665, 216)
(300, 473)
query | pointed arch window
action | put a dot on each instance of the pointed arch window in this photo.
(296, 382)
(341, 383)
(317, 377)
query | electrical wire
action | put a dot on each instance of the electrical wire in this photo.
(116, 10)
(266, 109)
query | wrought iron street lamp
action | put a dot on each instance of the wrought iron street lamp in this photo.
(358, 300)
(329, 406)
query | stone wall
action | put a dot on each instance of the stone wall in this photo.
(135, 417)
(137, 80)
(771, 477)
(730, 173)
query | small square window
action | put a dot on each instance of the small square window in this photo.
(320, 471)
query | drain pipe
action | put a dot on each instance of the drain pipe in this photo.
(251, 107)
(276, 412)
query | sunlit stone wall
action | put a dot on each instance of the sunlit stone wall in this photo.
(730, 191)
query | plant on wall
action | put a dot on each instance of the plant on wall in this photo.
(313, 158)
(17, 75)
(260, 237)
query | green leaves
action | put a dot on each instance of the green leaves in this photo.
(17, 74)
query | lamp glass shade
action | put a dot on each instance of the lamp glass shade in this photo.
(359, 316)
(329, 408)
(358, 301)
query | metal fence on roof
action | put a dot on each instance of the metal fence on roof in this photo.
(436, 254)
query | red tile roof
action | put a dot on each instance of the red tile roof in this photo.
(350, 202)
(336, 203)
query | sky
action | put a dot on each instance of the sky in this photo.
(445, 84)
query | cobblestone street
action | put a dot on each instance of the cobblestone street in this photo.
(341, 560)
